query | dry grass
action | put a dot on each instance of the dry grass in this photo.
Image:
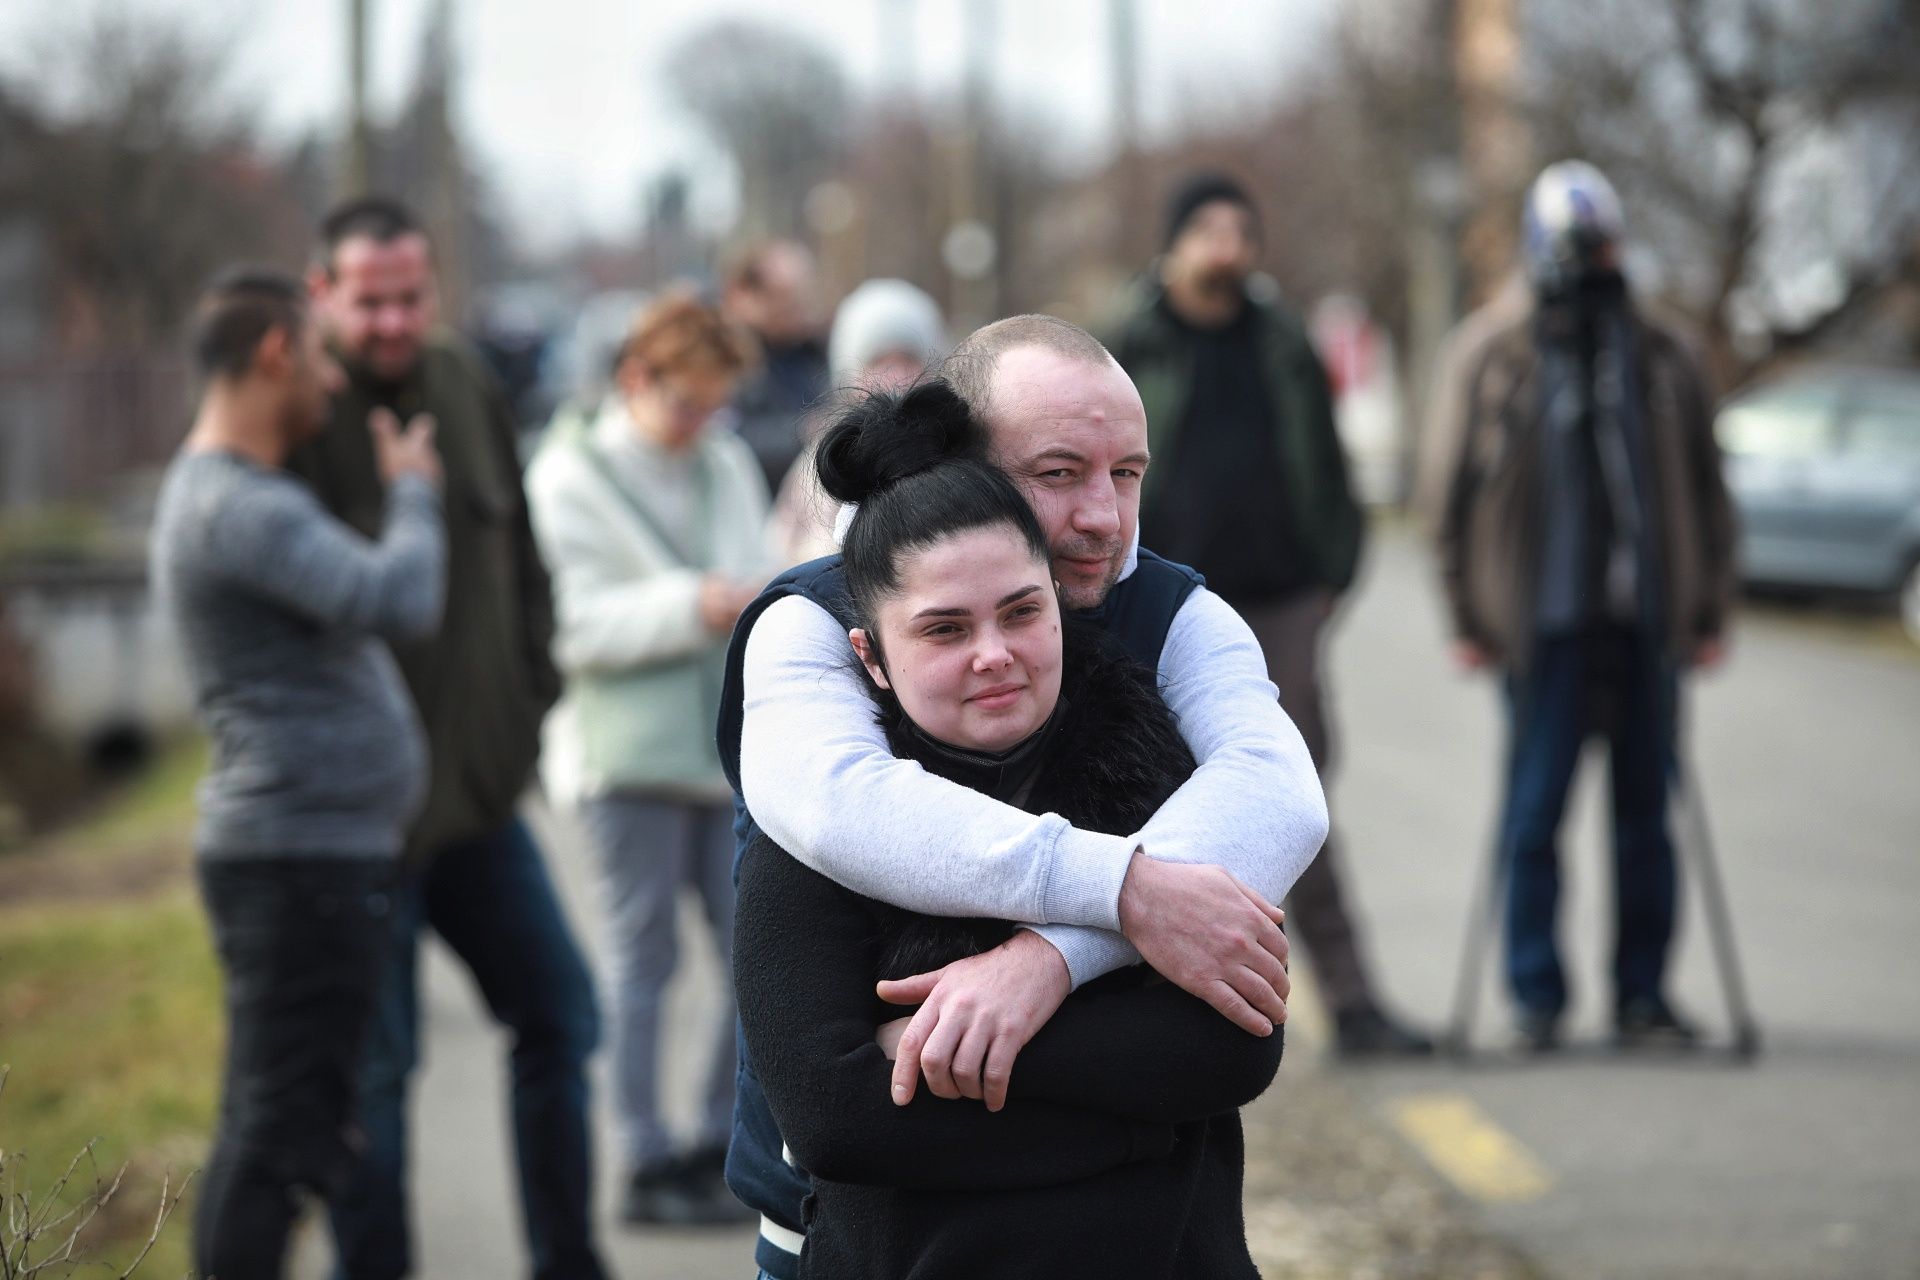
(110, 1013)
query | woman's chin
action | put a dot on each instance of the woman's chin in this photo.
(1001, 732)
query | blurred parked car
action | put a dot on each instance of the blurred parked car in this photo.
(1825, 468)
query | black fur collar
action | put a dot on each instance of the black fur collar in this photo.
(1109, 757)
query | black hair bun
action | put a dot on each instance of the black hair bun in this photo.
(884, 437)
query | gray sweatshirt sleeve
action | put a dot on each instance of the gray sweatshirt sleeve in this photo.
(286, 547)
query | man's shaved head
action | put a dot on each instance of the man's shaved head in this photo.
(970, 368)
(1066, 425)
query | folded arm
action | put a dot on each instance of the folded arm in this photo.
(1254, 806)
(803, 974)
(610, 616)
(1149, 1051)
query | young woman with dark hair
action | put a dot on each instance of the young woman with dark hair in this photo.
(1118, 1152)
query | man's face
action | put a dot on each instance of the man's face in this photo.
(314, 378)
(1216, 250)
(379, 302)
(784, 309)
(1073, 436)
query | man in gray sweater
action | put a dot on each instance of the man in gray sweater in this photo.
(319, 763)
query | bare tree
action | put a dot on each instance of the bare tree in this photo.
(776, 102)
(136, 173)
(1763, 145)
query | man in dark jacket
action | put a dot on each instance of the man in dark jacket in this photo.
(772, 289)
(1250, 487)
(1586, 546)
(482, 685)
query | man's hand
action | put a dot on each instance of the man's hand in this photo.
(404, 451)
(975, 1016)
(1469, 656)
(1210, 935)
(721, 600)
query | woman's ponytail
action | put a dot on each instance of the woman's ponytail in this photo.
(885, 437)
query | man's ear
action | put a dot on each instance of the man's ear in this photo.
(869, 655)
(319, 283)
(275, 354)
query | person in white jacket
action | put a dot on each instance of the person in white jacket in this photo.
(650, 515)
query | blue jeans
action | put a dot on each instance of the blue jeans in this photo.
(1613, 683)
(491, 901)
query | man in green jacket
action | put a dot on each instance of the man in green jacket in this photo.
(482, 685)
(1249, 486)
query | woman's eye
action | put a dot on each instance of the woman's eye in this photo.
(1024, 613)
(941, 631)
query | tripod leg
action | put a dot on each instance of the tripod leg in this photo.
(1699, 846)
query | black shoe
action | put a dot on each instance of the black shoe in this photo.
(676, 1194)
(1369, 1033)
(1651, 1023)
(1536, 1031)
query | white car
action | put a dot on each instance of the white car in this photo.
(1825, 468)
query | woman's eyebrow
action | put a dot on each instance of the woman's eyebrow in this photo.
(960, 611)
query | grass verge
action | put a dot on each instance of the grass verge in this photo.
(110, 1016)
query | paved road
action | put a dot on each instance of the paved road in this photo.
(1807, 1163)
(466, 1216)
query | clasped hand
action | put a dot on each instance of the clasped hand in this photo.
(1200, 927)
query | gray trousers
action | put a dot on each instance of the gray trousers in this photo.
(1289, 636)
(648, 847)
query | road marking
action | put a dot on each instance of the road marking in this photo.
(1466, 1146)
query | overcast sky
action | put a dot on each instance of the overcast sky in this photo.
(563, 104)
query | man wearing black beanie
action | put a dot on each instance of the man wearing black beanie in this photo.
(1250, 487)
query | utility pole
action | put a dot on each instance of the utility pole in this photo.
(1124, 33)
(969, 247)
(358, 178)
(1487, 45)
(442, 160)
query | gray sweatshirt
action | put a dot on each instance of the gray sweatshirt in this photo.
(281, 610)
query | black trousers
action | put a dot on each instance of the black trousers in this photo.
(301, 941)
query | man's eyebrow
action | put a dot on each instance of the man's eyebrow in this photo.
(1060, 451)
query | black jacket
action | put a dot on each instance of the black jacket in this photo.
(1119, 1152)
(484, 680)
(1326, 523)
